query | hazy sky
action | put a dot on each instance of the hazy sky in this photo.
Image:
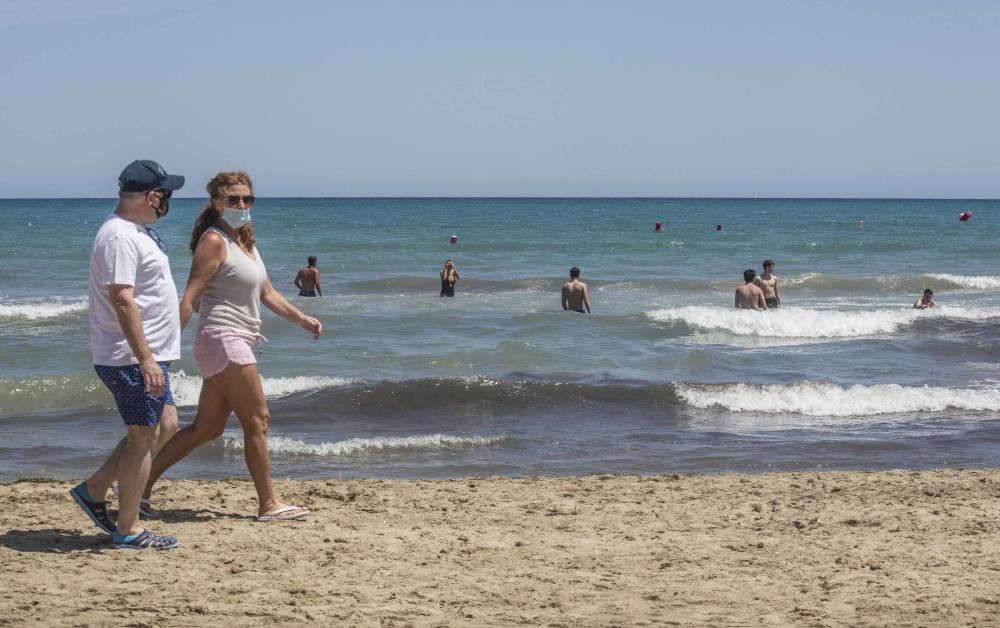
(516, 98)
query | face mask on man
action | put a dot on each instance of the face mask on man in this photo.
(236, 218)
(163, 206)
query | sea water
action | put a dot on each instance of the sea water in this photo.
(665, 376)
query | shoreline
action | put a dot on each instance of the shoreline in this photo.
(787, 548)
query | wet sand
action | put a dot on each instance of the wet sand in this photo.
(797, 549)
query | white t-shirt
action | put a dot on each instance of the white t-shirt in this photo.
(124, 253)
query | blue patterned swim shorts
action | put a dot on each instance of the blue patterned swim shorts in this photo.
(136, 406)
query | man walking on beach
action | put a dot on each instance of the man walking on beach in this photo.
(574, 293)
(749, 296)
(134, 334)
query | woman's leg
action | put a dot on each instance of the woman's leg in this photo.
(209, 423)
(241, 385)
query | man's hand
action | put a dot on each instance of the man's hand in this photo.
(152, 376)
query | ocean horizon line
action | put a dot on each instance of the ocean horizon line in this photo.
(528, 198)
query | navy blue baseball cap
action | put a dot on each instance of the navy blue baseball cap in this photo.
(144, 175)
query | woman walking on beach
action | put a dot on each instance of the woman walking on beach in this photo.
(227, 284)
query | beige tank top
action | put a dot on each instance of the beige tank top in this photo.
(232, 297)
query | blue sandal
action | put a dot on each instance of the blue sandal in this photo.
(145, 540)
(97, 511)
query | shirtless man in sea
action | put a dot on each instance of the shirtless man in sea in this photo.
(749, 296)
(307, 279)
(769, 284)
(574, 293)
(926, 301)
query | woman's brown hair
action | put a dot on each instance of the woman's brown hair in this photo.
(210, 216)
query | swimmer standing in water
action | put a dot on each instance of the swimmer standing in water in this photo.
(575, 295)
(768, 283)
(749, 296)
(449, 275)
(307, 279)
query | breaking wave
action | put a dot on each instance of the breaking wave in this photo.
(825, 399)
(351, 446)
(48, 308)
(792, 322)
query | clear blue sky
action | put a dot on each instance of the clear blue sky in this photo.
(515, 98)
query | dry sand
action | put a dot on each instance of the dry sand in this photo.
(798, 549)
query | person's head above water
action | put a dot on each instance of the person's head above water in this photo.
(768, 265)
(928, 292)
(311, 261)
(574, 273)
(749, 274)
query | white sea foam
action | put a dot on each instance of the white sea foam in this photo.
(186, 388)
(293, 446)
(43, 309)
(799, 279)
(793, 322)
(977, 282)
(825, 399)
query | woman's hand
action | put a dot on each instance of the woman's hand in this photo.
(312, 325)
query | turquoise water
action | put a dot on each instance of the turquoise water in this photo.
(665, 376)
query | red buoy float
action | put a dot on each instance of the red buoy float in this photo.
(718, 227)
(454, 239)
(658, 227)
(965, 216)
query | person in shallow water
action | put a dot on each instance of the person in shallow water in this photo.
(925, 301)
(227, 284)
(449, 275)
(749, 296)
(307, 279)
(768, 283)
(575, 295)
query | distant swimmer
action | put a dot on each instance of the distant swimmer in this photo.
(768, 283)
(575, 295)
(861, 222)
(307, 280)
(749, 296)
(449, 275)
(925, 301)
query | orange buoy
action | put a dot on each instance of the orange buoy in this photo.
(454, 239)
(965, 216)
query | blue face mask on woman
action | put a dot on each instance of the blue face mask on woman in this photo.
(236, 218)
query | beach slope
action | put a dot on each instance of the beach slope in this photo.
(803, 549)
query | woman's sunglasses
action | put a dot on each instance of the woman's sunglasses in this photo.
(234, 199)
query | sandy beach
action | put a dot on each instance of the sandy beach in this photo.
(800, 549)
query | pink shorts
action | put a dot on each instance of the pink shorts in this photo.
(215, 347)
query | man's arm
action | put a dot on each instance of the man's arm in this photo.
(586, 298)
(776, 295)
(565, 298)
(298, 279)
(319, 290)
(761, 303)
(130, 321)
